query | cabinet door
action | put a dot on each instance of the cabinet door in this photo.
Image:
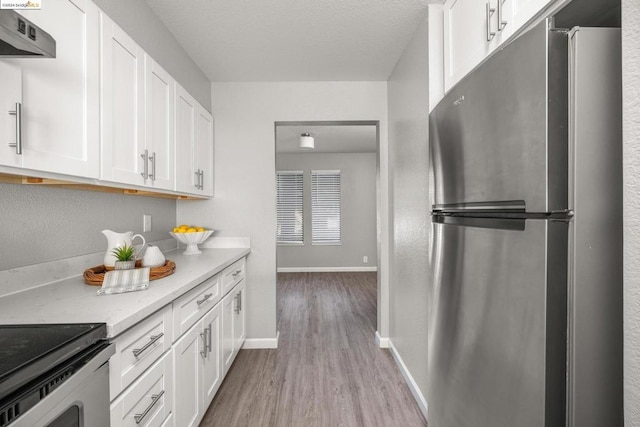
(203, 150)
(212, 362)
(517, 13)
(160, 137)
(122, 112)
(228, 316)
(465, 37)
(239, 333)
(10, 95)
(185, 135)
(188, 377)
(61, 95)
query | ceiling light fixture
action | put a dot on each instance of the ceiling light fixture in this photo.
(306, 142)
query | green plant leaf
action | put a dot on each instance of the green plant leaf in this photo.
(124, 253)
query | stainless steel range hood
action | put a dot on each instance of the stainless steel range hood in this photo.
(21, 38)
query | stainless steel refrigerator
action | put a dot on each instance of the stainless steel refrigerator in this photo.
(526, 310)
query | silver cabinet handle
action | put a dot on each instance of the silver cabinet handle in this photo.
(490, 11)
(197, 184)
(145, 158)
(238, 299)
(209, 345)
(18, 113)
(203, 352)
(235, 273)
(152, 158)
(501, 23)
(154, 400)
(201, 179)
(204, 299)
(138, 351)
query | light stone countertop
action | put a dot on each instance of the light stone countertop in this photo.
(72, 301)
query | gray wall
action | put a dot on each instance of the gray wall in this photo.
(358, 211)
(41, 224)
(631, 165)
(408, 93)
(137, 19)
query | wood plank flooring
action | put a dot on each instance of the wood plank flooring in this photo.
(327, 370)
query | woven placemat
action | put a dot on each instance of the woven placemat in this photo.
(95, 275)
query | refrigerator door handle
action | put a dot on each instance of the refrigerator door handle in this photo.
(513, 224)
(495, 206)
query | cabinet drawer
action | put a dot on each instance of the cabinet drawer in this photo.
(149, 400)
(138, 347)
(190, 307)
(233, 275)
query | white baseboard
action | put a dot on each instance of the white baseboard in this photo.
(256, 343)
(417, 394)
(324, 269)
(382, 342)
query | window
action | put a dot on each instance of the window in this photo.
(290, 192)
(325, 207)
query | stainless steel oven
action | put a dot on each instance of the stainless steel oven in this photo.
(54, 375)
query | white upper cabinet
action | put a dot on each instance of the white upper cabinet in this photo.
(160, 136)
(137, 138)
(517, 13)
(475, 28)
(203, 150)
(194, 145)
(10, 101)
(59, 95)
(467, 38)
(122, 113)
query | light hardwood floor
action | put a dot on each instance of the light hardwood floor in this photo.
(327, 370)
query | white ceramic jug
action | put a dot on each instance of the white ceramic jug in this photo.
(153, 257)
(115, 240)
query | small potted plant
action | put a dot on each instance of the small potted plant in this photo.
(125, 259)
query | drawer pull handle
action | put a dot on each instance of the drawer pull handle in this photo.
(138, 351)
(154, 400)
(235, 273)
(203, 300)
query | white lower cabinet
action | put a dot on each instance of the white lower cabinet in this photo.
(198, 369)
(169, 366)
(149, 400)
(233, 324)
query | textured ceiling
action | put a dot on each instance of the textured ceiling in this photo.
(328, 139)
(293, 40)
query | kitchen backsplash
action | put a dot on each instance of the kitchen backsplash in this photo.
(42, 224)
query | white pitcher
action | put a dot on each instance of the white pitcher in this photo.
(115, 240)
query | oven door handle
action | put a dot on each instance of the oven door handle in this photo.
(154, 400)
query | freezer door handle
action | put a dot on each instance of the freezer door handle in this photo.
(494, 206)
(515, 224)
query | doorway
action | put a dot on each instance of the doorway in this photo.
(346, 152)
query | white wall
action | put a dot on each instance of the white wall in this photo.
(631, 152)
(244, 121)
(408, 168)
(138, 20)
(358, 211)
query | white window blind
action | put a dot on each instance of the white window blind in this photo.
(325, 207)
(290, 191)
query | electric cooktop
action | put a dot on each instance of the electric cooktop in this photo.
(30, 351)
